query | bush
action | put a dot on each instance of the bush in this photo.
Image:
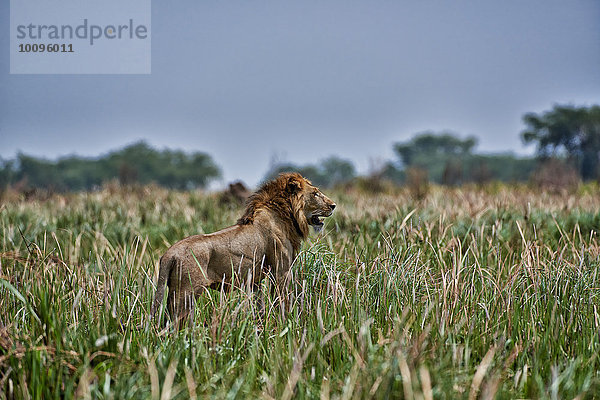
(417, 181)
(554, 175)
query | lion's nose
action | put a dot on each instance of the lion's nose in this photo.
(332, 206)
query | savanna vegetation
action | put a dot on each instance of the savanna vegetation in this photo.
(443, 292)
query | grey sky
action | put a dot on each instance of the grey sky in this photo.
(246, 80)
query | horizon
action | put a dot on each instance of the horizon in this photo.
(220, 182)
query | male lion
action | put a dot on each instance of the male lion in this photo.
(265, 239)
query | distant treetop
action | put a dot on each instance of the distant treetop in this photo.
(569, 132)
(136, 163)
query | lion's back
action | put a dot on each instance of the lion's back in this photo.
(200, 247)
(183, 249)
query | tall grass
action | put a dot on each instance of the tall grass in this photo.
(467, 293)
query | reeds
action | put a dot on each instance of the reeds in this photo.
(466, 293)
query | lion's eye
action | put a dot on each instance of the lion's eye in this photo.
(316, 194)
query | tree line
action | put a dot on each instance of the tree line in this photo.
(136, 163)
(569, 136)
(567, 139)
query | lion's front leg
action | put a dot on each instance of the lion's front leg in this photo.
(282, 292)
(283, 282)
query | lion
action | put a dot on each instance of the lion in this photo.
(266, 239)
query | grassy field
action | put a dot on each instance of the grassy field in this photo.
(468, 293)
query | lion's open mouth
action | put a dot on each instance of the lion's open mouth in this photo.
(316, 221)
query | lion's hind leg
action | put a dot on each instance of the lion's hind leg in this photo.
(180, 305)
(186, 284)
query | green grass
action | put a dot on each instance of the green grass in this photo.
(470, 293)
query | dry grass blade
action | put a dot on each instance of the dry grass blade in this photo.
(348, 390)
(324, 392)
(426, 383)
(481, 371)
(83, 388)
(406, 377)
(191, 384)
(168, 382)
(295, 373)
(154, 384)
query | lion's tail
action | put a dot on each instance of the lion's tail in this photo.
(164, 272)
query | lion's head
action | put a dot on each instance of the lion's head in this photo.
(315, 205)
(294, 199)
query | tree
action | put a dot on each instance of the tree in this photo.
(441, 155)
(37, 172)
(337, 170)
(7, 173)
(567, 132)
(428, 145)
(391, 172)
(170, 168)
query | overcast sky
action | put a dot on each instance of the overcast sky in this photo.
(247, 81)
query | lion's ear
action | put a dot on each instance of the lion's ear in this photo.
(293, 185)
